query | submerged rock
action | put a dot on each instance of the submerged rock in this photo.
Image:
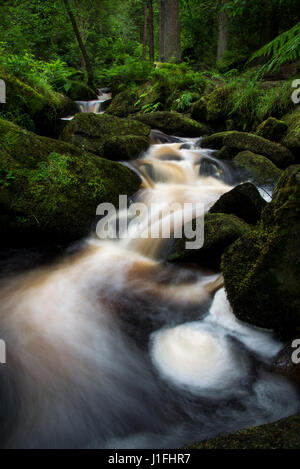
(49, 190)
(239, 141)
(272, 129)
(220, 231)
(173, 123)
(262, 269)
(261, 169)
(243, 201)
(108, 136)
(283, 434)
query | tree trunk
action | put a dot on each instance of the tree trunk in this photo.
(223, 35)
(81, 45)
(169, 22)
(151, 33)
(270, 24)
(145, 35)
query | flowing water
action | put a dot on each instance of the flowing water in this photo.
(114, 348)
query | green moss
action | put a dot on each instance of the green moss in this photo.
(107, 136)
(173, 123)
(30, 108)
(55, 187)
(272, 129)
(243, 201)
(262, 269)
(220, 231)
(260, 168)
(283, 434)
(239, 141)
(292, 138)
(122, 104)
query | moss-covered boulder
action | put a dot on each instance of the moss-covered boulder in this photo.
(272, 129)
(107, 136)
(243, 201)
(226, 153)
(283, 434)
(262, 171)
(292, 138)
(122, 104)
(32, 109)
(287, 362)
(79, 91)
(173, 123)
(212, 108)
(49, 190)
(220, 231)
(262, 269)
(239, 141)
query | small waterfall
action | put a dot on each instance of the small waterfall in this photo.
(96, 106)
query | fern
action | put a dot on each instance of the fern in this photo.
(284, 48)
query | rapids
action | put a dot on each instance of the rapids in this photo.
(111, 347)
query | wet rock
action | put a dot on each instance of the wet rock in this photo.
(272, 129)
(32, 109)
(262, 171)
(49, 189)
(173, 123)
(226, 153)
(287, 362)
(262, 269)
(108, 136)
(243, 201)
(220, 231)
(239, 141)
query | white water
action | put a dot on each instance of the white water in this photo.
(113, 348)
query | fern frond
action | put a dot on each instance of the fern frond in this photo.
(284, 48)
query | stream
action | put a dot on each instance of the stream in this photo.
(112, 347)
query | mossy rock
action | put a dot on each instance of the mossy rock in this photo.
(284, 364)
(262, 171)
(283, 434)
(262, 269)
(226, 153)
(103, 134)
(33, 109)
(239, 141)
(292, 138)
(122, 104)
(49, 190)
(212, 108)
(173, 123)
(272, 129)
(220, 231)
(244, 201)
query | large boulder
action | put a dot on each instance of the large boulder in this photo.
(239, 141)
(292, 138)
(262, 171)
(243, 201)
(49, 190)
(272, 129)
(220, 231)
(262, 269)
(108, 136)
(212, 108)
(32, 109)
(173, 123)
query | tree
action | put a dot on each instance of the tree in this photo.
(169, 31)
(223, 30)
(81, 44)
(151, 32)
